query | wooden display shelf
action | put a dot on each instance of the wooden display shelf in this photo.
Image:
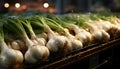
(79, 55)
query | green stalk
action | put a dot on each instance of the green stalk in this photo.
(29, 27)
(40, 21)
(3, 45)
(76, 19)
(58, 20)
(1, 34)
(53, 24)
(35, 21)
(58, 27)
(47, 28)
(16, 25)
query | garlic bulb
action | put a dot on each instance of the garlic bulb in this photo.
(76, 44)
(114, 31)
(19, 45)
(9, 57)
(97, 33)
(35, 52)
(100, 35)
(106, 25)
(15, 45)
(42, 35)
(82, 35)
(55, 42)
(41, 41)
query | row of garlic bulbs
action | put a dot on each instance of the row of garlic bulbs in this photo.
(39, 47)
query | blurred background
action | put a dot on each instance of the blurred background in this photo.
(59, 6)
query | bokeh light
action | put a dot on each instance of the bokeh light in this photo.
(6, 5)
(17, 5)
(46, 5)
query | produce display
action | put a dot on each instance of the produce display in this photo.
(36, 38)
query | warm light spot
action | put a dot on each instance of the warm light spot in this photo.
(6, 5)
(46, 5)
(24, 7)
(17, 5)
